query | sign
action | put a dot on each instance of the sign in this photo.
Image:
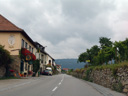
(28, 57)
(11, 40)
(87, 60)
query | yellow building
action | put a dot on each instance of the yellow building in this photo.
(14, 39)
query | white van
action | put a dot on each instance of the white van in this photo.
(49, 69)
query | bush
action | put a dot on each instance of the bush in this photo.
(36, 66)
(88, 71)
(118, 87)
(5, 59)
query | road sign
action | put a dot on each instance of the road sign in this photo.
(87, 60)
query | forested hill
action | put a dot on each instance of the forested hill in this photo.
(69, 63)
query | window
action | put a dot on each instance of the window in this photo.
(22, 43)
(38, 46)
(26, 66)
(49, 61)
(42, 59)
(26, 45)
(30, 48)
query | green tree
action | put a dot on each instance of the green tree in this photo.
(121, 47)
(36, 65)
(109, 54)
(5, 59)
(104, 41)
(89, 55)
(94, 52)
(82, 57)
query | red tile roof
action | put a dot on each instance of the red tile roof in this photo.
(66, 69)
(6, 25)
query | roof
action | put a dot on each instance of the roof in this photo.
(6, 25)
(43, 51)
(65, 69)
(58, 65)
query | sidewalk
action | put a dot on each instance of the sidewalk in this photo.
(12, 83)
(105, 91)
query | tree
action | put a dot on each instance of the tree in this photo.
(104, 41)
(125, 43)
(122, 47)
(36, 66)
(89, 55)
(109, 54)
(5, 59)
(82, 57)
(94, 52)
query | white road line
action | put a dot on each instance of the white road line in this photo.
(55, 88)
(60, 83)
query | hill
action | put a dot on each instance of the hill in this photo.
(69, 63)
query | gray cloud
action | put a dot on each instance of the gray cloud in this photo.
(68, 27)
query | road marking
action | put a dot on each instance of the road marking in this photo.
(55, 88)
(60, 83)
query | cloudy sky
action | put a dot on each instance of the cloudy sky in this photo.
(68, 27)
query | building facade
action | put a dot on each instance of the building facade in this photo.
(22, 48)
(14, 40)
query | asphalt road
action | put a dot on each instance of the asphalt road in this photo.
(58, 85)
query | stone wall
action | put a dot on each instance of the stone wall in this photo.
(15, 65)
(116, 79)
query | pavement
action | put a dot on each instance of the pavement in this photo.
(13, 83)
(105, 91)
(60, 85)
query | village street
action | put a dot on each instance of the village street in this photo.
(57, 85)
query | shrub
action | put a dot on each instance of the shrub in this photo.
(5, 59)
(118, 87)
(36, 66)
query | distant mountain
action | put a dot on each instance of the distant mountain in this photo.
(69, 63)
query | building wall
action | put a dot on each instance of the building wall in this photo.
(48, 58)
(14, 50)
(28, 42)
(4, 36)
(41, 56)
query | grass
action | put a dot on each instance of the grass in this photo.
(111, 66)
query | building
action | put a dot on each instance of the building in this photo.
(50, 60)
(65, 69)
(41, 56)
(19, 44)
(58, 68)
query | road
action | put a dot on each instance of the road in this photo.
(57, 85)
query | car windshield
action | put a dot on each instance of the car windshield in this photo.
(46, 70)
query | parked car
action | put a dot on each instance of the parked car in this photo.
(47, 72)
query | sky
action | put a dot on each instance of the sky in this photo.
(68, 27)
